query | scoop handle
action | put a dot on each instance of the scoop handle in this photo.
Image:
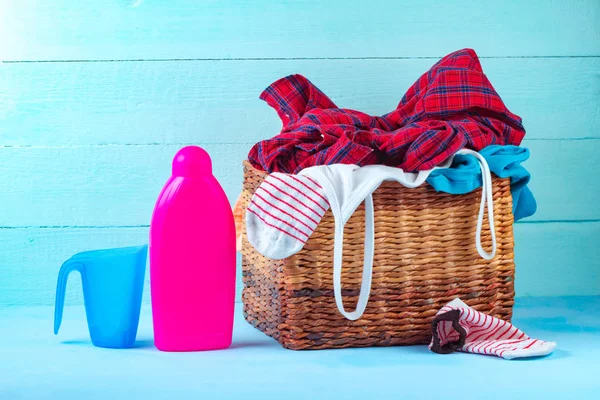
(61, 286)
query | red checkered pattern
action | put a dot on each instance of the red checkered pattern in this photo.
(452, 106)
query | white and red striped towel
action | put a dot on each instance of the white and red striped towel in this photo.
(459, 327)
(283, 213)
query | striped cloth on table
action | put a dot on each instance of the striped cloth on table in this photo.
(458, 327)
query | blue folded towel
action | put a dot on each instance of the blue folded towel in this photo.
(464, 176)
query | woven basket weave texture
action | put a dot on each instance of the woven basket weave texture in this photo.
(425, 256)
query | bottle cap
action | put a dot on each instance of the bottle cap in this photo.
(192, 162)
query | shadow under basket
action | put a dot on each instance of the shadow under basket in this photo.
(425, 256)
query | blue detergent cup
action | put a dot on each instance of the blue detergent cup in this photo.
(113, 281)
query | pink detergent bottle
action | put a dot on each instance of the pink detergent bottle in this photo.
(192, 258)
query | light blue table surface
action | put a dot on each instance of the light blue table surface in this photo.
(35, 364)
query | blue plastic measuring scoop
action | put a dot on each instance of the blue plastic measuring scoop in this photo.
(112, 281)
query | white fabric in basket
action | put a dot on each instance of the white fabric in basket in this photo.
(347, 186)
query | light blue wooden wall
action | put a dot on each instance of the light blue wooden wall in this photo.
(97, 96)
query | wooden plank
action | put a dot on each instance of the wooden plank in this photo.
(118, 185)
(31, 257)
(138, 29)
(563, 179)
(217, 101)
(99, 185)
(556, 259)
(30, 260)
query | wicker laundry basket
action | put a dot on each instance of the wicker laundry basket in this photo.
(425, 256)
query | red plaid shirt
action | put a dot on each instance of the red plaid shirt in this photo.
(452, 106)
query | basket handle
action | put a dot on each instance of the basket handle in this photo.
(486, 197)
(367, 273)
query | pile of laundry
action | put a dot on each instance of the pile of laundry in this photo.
(451, 130)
